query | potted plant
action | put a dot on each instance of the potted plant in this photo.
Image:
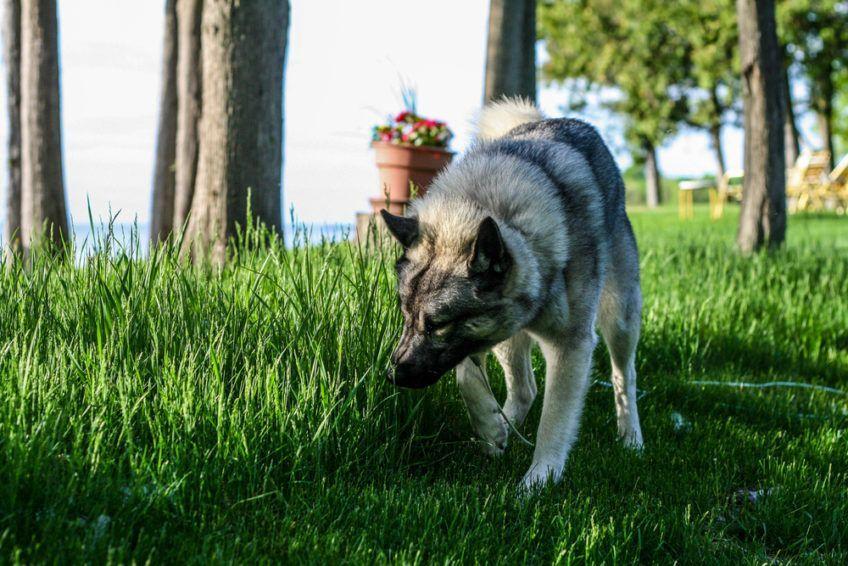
(410, 151)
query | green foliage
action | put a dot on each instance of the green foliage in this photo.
(154, 411)
(631, 45)
(673, 63)
(711, 28)
(816, 35)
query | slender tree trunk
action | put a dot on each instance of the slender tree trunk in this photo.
(241, 129)
(12, 55)
(790, 129)
(653, 179)
(715, 131)
(43, 209)
(162, 209)
(715, 137)
(763, 217)
(189, 77)
(825, 120)
(511, 52)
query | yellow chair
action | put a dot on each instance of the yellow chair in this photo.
(729, 187)
(807, 181)
(686, 199)
(837, 186)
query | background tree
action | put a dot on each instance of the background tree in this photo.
(840, 130)
(162, 213)
(12, 56)
(511, 51)
(791, 136)
(243, 46)
(189, 77)
(816, 34)
(763, 216)
(43, 208)
(630, 45)
(710, 27)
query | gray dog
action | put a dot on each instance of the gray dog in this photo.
(525, 238)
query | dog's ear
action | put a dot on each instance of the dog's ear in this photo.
(490, 255)
(405, 230)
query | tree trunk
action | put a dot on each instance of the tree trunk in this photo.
(715, 137)
(12, 55)
(43, 210)
(162, 209)
(825, 120)
(763, 216)
(653, 180)
(790, 128)
(511, 51)
(241, 130)
(189, 76)
(715, 132)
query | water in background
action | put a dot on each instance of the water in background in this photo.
(135, 237)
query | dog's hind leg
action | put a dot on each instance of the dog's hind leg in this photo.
(514, 357)
(483, 408)
(619, 321)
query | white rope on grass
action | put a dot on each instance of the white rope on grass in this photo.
(771, 384)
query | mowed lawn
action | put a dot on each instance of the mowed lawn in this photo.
(154, 412)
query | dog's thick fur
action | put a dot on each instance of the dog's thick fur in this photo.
(524, 239)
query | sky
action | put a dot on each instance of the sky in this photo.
(346, 63)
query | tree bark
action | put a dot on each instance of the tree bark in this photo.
(189, 77)
(653, 179)
(43, 210)
(763, 216)
(12, 55)
(243, 45)
(162, 209)
(715, 132)
(790, 128)
(825, 120)
(511, 51)
(715, 137)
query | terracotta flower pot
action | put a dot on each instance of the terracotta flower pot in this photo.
(401, 164)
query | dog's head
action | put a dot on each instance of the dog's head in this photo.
(456, 294)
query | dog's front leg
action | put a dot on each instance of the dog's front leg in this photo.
(483, 408)
(568, 358)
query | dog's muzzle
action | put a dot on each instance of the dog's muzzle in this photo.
(412, 376)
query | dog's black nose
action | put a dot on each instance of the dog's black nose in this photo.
(400, 373)
(411, 376)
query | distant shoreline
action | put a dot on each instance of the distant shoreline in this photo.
(123, 233)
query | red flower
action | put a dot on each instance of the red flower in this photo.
(402, 116)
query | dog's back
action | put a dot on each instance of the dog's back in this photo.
(509, 125)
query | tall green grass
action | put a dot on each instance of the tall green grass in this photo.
(150, 410)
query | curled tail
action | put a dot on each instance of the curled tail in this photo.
(498, 118)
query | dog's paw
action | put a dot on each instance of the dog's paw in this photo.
(538, 476)
(632, 439)
(493, 432)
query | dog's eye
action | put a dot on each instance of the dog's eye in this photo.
(438, 328)
(443, 329)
